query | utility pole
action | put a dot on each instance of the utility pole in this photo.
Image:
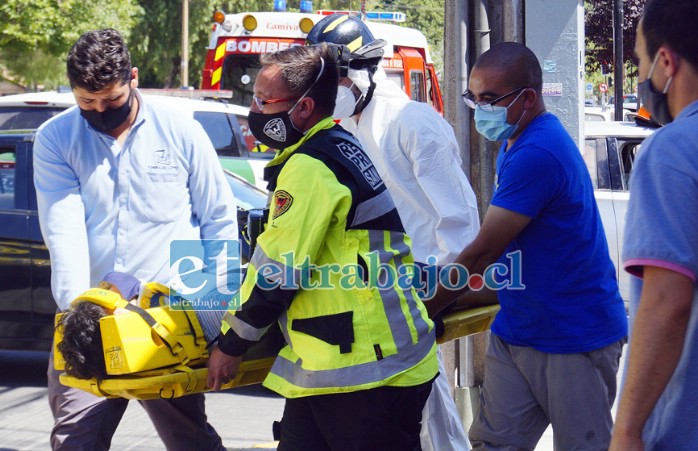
(618, 59)
(470, 28)
(184, 65)
(458, 355)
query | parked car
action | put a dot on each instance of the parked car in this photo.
(605, 113)
(29, 111)
(225, 124)
(609, 151)
(27, 307)
(629, 101)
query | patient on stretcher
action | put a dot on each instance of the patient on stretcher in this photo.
(82, 347)
(127, 340)
(137, 342)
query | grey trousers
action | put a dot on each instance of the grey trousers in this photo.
(83, 421)
(526, 390)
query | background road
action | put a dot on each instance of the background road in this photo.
(242, 416)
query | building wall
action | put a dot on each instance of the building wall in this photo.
(554, 30)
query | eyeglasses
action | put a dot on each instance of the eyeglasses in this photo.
(260, 103)
(472, 102)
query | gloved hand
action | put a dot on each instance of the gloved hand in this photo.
(127, 285)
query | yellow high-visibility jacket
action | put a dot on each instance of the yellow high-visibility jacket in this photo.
(333, 266)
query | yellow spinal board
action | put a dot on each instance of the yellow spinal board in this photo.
(148, 369)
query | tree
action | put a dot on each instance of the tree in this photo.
(598, 30)
(426, 16)
(156, 42)
(35, 35)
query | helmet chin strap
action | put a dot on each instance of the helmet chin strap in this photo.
(364, 101)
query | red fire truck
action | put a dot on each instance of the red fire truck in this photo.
(237, 40)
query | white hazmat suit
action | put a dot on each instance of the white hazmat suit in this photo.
(416, 153)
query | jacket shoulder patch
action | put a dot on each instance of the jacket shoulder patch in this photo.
(282, 202)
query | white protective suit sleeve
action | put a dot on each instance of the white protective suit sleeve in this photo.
(416, 153)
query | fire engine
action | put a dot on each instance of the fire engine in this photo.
(237, 40)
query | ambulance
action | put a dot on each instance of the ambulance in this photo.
(237, 40)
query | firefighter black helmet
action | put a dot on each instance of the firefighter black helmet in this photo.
(344, 30)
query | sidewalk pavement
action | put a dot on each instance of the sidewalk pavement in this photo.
(242, 416)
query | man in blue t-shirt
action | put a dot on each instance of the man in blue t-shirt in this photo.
(555, 345)
(658, 402)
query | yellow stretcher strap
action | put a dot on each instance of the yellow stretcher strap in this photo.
(198, 331)
(175, 347)
(149, 299)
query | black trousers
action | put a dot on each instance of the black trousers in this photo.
(384, 418)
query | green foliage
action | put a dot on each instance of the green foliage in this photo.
(598, 31)
(241, 6)
(426, 16)
(35, 35)
(156, 42)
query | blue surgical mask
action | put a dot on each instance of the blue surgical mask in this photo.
(655, 101)
(493, 124)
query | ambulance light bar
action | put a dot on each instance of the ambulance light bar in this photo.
(372, 15)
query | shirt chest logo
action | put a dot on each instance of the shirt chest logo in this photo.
(161, 162)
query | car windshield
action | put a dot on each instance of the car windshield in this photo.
(247, 196)
(239, 74)
(25, 118)
(219, 129)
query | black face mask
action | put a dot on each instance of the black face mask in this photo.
(655, 101)
(274, 130)
(110, 118)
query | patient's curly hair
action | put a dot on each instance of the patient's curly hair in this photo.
(82, 341)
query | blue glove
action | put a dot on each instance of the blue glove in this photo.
(128, 286)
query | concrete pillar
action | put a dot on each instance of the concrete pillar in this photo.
(555, 33)
(459, 116)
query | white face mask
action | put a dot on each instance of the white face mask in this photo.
(345, 103)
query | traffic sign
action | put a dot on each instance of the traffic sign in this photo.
(589, 88)
(603, 88)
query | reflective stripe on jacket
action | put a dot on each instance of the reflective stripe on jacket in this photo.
(323, 269)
